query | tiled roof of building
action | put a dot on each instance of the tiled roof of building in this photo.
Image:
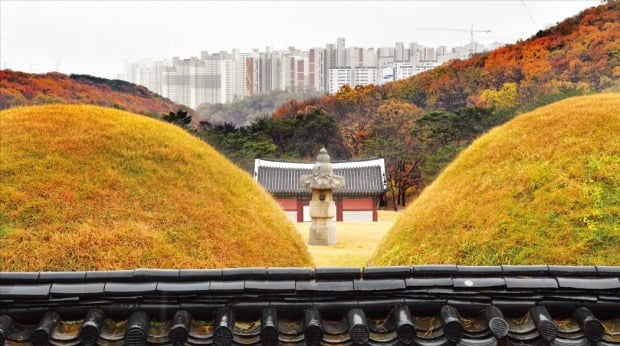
(365, 177)
(421, 305)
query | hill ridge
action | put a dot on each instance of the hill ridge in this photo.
(24, 89)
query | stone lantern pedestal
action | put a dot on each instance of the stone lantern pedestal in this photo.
(322, 206)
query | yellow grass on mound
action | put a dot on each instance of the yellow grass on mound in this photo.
(91, 188)
(543, 188)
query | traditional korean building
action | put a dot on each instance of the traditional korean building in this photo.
(365, 182)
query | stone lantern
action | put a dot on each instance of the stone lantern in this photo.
(322, 181)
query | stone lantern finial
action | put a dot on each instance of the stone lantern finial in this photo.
(323, 156)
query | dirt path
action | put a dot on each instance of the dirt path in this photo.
(356, 241)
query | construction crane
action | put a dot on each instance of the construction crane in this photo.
(49, 49)
(471, 35)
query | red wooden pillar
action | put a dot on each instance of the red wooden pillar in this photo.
(339, 204)
(300, 210)
(375, 216)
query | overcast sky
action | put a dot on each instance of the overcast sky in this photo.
(96, 38)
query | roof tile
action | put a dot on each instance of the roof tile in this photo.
(25, 291)
(289, 273)
(79, 289)
(386, 272)
(130, 288)
(62, 276)
(590, 283)
(19, 277)
(256, 273)
(379, 285)
(337, 273)
(479, 282)
(266, 286)
(534, 282)
(187, 287)
(529, 270)
(156, 274)
(200, 274)
(434, 270)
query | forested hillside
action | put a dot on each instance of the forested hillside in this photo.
(24, 89)
(578, 55)
(420, 124)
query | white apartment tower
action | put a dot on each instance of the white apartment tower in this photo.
(369, 58)
(399, 53)
(331, 55)
(317, 78)
(341, 53)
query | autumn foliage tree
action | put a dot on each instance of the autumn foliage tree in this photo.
(391, 138)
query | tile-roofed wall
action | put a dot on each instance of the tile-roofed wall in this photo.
(428, 305)
(282, 178)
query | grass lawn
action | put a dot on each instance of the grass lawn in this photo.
(356, 241)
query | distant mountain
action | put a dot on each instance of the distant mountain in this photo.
(23, 89)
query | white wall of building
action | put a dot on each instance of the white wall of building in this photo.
(364, 76)
(339, 77)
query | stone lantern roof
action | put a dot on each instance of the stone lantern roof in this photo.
(322, 176)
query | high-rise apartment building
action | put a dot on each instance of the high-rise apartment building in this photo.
(331, 55)
(385, 56)
(317, 78)
(428, 54)
(341, 53)
(369, 58)
(399, 53)
(355, 57)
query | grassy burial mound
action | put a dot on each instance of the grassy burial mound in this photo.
(543, 188)
(85, 187)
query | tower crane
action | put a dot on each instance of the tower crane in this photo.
(471, 35)
(57, 62)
